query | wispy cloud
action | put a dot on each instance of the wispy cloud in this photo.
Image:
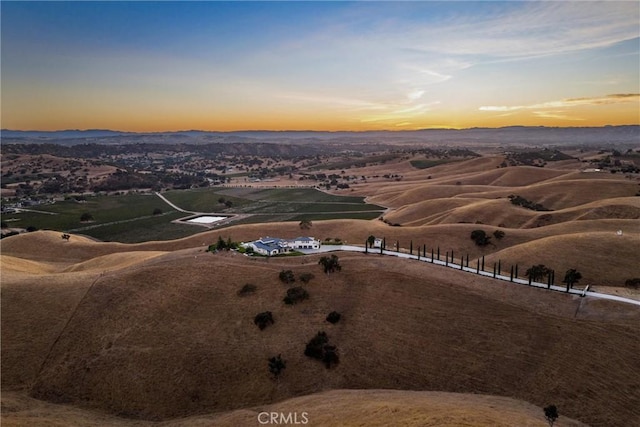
(528, 29)
(559, 115)
(569, 102)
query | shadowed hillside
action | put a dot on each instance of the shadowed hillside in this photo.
(169, 337)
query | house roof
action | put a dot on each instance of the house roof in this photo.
(304, 239)
(266, 247)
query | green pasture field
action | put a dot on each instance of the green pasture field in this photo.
(65, 215)
(129, 218)
(204, 200)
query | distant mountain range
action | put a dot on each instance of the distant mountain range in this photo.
(510, 135)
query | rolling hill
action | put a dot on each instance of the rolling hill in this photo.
(161, 336)
(155, 333)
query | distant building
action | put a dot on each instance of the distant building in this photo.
(377, 243)
(271, 246)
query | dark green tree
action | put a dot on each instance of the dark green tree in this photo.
(276, 365)
(264, 319)
(287, 276)
(571, 277)
(371, 240)
(480, 237)
(537, 272)
(330, 264)
(295, 295)
(333, 317)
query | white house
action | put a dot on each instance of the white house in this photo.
(270, 246)
(377, 243)
(304, 243)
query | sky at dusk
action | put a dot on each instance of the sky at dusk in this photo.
(160, 66)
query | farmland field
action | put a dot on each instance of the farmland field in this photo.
(130, 218)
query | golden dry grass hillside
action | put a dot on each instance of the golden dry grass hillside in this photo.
(169, 337)
(341, 408)
(155, 333)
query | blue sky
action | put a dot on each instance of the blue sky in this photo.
(151, 66)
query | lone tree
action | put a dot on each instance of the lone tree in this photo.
(551, 414)
(537, 272)
(86, 217)
(276, 365)
(320, 349)
(264, 319)
(157, 211)
(305, 224)
(295, 295)
(333, 317)
(371, 240)
(571, 277)
(330, 264)
(287, 276)
(480, 237)
(498, 234)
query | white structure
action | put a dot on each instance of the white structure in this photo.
(304, 243)
(270, 246)
(377, 243)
